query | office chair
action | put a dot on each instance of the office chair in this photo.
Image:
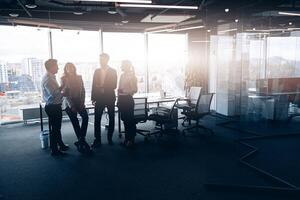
(165, 118)
(190, 102)
(141, 115)
(201, 110)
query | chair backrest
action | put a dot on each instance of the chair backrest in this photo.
(194, 94)
(140, 109)
(203, 104)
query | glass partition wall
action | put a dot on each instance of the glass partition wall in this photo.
(256, 76)
(23, 51)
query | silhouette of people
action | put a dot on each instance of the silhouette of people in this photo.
(74, 97)
(103, 95)
(127, 87)
(53, 98)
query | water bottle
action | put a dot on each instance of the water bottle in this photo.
(44, 137)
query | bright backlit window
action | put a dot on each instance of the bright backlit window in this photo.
(127, 46)
(167, 60)
(23, 51)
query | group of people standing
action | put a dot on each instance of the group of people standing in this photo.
(70, 96)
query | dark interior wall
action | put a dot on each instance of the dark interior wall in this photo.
(198, 55)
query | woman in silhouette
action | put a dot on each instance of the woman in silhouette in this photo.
(74, 97)
(127, 87)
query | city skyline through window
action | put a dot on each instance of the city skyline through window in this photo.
(24, 50)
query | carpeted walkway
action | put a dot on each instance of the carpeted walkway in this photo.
(168, 168)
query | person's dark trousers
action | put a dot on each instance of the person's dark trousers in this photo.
(79, 131)
(126, 106)
(54, 113)
(99, 107)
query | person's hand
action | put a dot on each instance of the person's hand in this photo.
(74, 110)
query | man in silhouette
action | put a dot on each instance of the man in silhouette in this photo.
(103, 95)
(53, 98)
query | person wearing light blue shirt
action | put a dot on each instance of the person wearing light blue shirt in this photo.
(53, 99)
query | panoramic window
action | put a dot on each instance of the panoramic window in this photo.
(81, 48)
(129, 46)
(23, 51)
(167, 54)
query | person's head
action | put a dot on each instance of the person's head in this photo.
(104, 58)
(126, 66)
(51, 66)
(69, 69)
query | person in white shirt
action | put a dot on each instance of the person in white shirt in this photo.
(53, 98)
(127, 88)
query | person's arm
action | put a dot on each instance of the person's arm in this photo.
(93, 95)
(114, 79)
(134, 85)
(52, 87)
(82, 95)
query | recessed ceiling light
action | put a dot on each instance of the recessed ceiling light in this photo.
(290, 23)
(236, 20)
(30, 4)
(14, 14)
(208, 30)
(254, 29)
(227, 10)
(78, 13)
(112, 11)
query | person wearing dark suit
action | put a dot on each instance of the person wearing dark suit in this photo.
(103, 95)
(74, 97)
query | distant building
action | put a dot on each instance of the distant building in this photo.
(34, 68)
(3, 73)
(14, 69)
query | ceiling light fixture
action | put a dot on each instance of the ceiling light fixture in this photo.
(78, 13)
(228, 30)
(289, 13)
(14, 14)
(158, 6)
(226, 10)
(236, 20)
(125, 21)
(208, 30)
(30, 4)
(185, 29)
(160, 31)
(112, 11)
(122, 1)
(290, 23)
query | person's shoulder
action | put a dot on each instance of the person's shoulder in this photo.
(79, 77)
(97, 70)
(112, 69)
(64, 77)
